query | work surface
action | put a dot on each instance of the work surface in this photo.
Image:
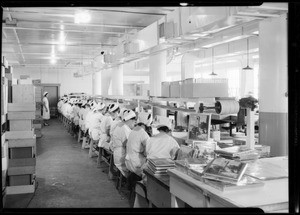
(272, 196)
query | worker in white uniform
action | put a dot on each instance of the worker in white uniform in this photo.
(81, 111)
(46, 110)
(95, 121)
(118, 120)
(88, 116)
(105, 127)
(120, 137)
(136, 144)
(162, 145)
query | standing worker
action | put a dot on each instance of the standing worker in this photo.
(46, 110)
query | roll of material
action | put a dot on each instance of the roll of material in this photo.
(227, 107)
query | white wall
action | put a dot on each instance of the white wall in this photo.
(64, 77)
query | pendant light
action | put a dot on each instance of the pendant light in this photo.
(247, 67)
(212, 63)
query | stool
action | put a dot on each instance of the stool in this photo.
(140, 200)
(84, 142)
(120, 179)
(91, 150)
(132, 180)
(80, 134)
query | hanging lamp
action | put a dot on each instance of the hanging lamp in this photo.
(212, 64)
(247, 67)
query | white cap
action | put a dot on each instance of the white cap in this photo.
(122, 111)
(128, 115)
(98, 106)
(169, 125)
(45, 93)
(113, 107)
(145, 118)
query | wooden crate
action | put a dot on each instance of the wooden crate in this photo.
(20, 125)
(12, 107)
(23, 93)
(21, 152)
(20, 115)
(11, 190)
(23, 170)
(19, 134)
(28, 142)
(17, 180)
(22, 162)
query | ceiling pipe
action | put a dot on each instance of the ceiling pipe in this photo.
(50, 44)
(17, 37)
(51, 29)
(85, 25)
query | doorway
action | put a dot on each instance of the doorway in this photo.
(53, 94)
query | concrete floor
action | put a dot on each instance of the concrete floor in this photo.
(67, 177)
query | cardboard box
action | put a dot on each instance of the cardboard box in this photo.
(27, 142)
(20, 125)
(20, 115)
(175, 88)
(19, 134)
(23, 93)
(22, 107)
(21, 152)
(17, 180)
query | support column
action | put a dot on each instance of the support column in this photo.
(97, 83)
(117, 80)
(273, 102)
(158, 70)
(105, 81)
(187, 65)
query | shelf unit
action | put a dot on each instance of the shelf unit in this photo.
(21, 140)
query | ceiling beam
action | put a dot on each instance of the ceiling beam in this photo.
(58, 30)
(58, 54)
(85, 24)
(50, 44)
(54, 13)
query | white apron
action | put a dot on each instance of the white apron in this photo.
(46, 114)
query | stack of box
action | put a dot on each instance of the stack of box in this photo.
(38, 121)
(21, 141)
(4, 144)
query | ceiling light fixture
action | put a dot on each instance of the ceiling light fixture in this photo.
(183, 4)
(247, 67)
(82, 17)
(212, 64)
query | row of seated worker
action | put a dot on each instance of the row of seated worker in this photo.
(124, 132)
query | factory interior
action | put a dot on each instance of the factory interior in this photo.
(175, 106)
